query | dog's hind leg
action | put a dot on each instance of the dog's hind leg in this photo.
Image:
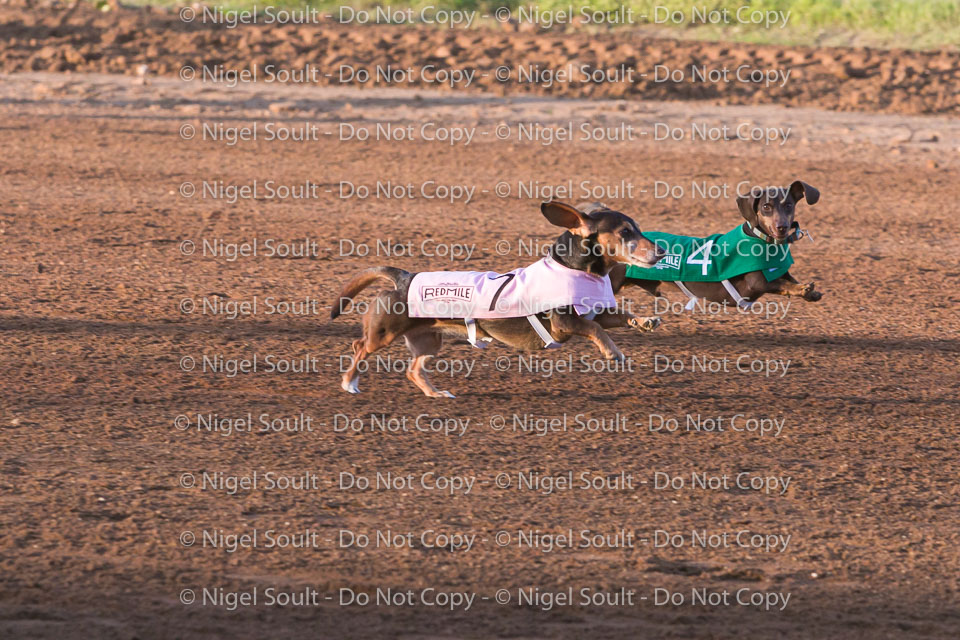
(424, 346)
(363, 347)
(380, 328)
(352, 374)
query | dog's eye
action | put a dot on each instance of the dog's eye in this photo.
(624, 233)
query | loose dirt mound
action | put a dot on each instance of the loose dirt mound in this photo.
(83, 39)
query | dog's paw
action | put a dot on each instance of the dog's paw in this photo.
(441, 394)
(810, 294)
(645, 324)
(615, 354)
(350, 386)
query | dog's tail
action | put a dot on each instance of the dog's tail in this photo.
(363, 280)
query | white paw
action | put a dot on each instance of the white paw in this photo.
(351, 386)
(646, 324)
(443, 394)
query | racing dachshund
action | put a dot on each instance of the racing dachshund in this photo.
(769, 215)
(593, 243)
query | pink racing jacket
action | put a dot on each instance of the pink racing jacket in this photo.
(540, 287)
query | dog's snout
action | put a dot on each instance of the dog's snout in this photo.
(655, 250)
(783, 230)
(648, 252)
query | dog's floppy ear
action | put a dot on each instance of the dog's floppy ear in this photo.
(798, 189)
(590, 208)
(563, 215)
(748, 206)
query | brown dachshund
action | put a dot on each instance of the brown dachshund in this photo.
(593, 244)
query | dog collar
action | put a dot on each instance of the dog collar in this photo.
(795, 235)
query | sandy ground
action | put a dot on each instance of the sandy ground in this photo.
(92, 334)
(516, 57)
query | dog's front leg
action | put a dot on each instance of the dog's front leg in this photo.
(613, 319)
(787, 285)
(567, 322)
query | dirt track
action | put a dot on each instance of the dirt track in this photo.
(92, 336)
